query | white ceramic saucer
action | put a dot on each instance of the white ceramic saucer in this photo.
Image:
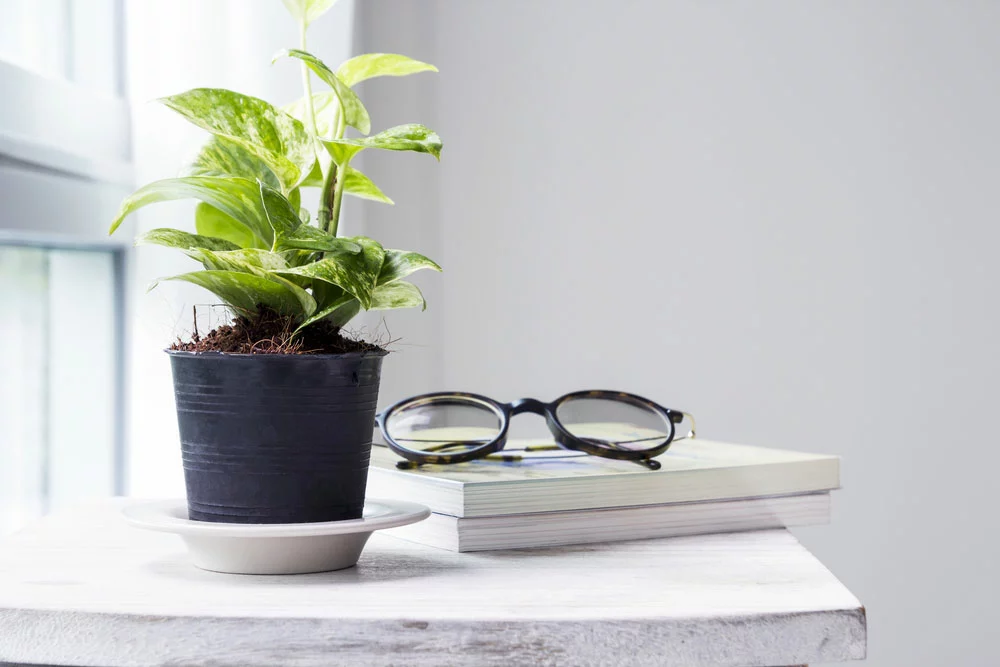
(279, 548)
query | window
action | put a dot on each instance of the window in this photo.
(75, 40)
(59, 377)
(64, 167)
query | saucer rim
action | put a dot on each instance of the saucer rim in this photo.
(166, 516)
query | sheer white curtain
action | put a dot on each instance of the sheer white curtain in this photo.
(171, 46)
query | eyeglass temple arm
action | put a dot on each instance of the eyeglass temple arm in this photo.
(678, 417)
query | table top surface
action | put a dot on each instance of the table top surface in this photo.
(83, 587)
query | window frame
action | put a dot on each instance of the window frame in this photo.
(119, 258)
(40, 142)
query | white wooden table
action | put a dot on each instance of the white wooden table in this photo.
(84, 588)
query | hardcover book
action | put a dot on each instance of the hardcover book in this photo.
(549, 529)
(692, 471)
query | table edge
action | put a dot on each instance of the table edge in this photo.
(140, 640)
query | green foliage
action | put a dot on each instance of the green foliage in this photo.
(213, 223)
(326, 109)
(175, 238)
(307, 11)
(254, 242)
(239, 198)
(371, 65)
(359, 185)
(398, 295)
(246, 292)
(352, 111)
(400, 138)
(278, 140)
(400, 263)
(355, 274)
(226, 157)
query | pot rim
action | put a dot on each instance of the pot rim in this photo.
(216, 355)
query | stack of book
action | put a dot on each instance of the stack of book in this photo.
(702, 487)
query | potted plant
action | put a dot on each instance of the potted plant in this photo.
(276, 409)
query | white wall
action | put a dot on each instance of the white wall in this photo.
(777, 215)
(414, 183)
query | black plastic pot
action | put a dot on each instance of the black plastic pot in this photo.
(275, 438)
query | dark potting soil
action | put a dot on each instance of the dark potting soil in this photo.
(271, 333)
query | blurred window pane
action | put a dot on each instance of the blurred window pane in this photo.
(64, 165)
(76, 40)
(34, 35)
(60, 370)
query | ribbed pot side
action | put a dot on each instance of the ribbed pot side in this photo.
(275, 438)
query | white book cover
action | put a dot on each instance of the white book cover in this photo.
(692, 470)
(550, 529)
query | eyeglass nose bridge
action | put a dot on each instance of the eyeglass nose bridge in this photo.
(532, 405)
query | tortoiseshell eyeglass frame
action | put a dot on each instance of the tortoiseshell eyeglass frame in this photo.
(505, 411)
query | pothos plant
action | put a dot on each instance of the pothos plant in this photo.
(259, 249)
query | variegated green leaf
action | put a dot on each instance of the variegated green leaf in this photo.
(391, 293)
(308, 237)
(354, 111)
(326, 106)
(291, 234)
(315, 177)
(210, 221)
(306, 301)
(281, 214)
(325, 293)
(247, 260)
(225, 157)
(338, 313)
(356, 274)
(300, 258)
(214, 222)
(370, 65)
(400, 263)
(279, 140)
(307, 11)
(400, 138)
(175, 238)
(246, 292)
(238, 198)
(359, 185)
(399, 294)
(342, 152)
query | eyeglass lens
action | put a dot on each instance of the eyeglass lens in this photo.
(443, 425)
(614, 424)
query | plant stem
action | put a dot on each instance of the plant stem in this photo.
(307, 82)
(332, 192)
(327, 196)
(323, 214)
(338, 196)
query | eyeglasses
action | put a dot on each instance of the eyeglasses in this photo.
(455, 427)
